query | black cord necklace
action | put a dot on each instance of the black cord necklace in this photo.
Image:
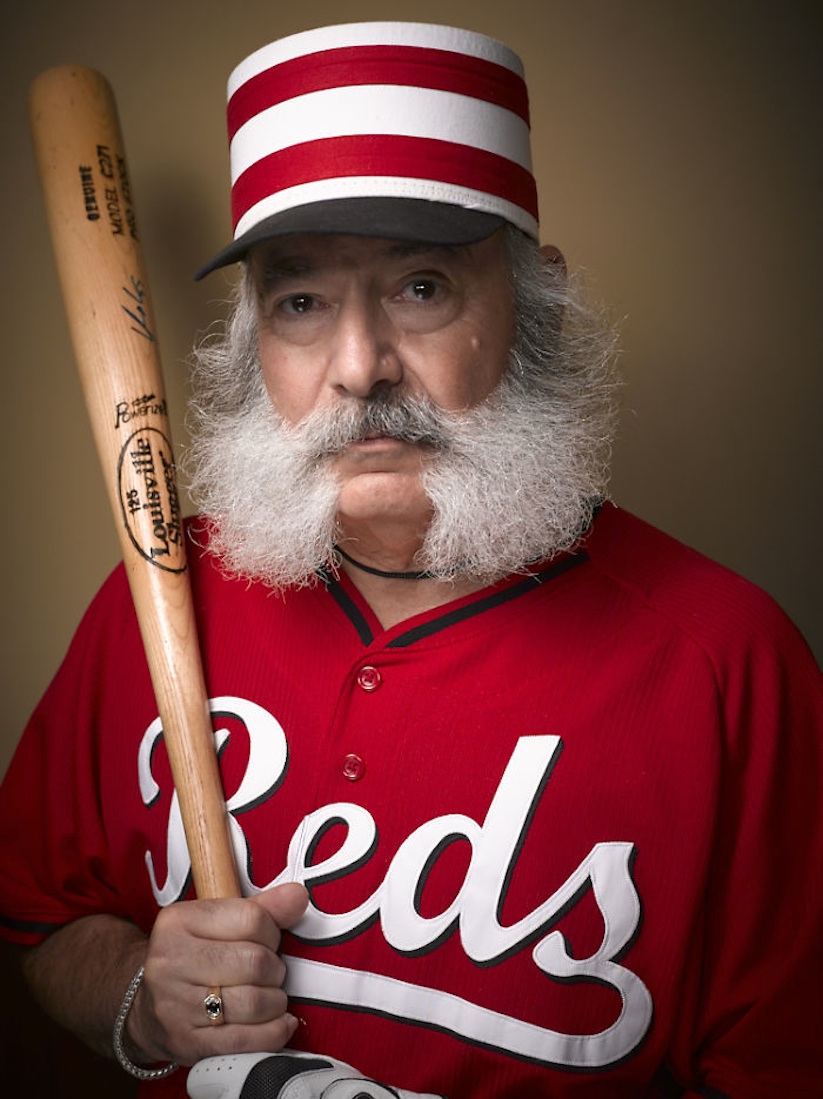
(380, 572)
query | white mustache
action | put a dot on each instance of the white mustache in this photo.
(410, 419)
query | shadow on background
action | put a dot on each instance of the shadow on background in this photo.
(70, 1071)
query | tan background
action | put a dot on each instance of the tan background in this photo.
(678, 154)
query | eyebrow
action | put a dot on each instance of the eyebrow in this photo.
(270, 272)
(273, 268)
(284, 267)
(409, 249)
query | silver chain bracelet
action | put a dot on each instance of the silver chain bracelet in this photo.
(117, 1038)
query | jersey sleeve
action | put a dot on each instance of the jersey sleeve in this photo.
(54, 858)
(750, 1022)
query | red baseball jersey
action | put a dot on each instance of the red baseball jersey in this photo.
(562, 837)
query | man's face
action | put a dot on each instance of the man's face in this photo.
(343, 318)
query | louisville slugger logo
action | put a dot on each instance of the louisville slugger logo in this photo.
(148, 499)
(605, 871)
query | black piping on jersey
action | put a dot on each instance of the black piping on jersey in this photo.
(348, 607)
(30, 927)
(451, 618)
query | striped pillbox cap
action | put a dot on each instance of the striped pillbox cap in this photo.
(410, 131)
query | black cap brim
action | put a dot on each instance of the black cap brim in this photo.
(404, 219)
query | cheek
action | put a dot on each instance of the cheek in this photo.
(489, 362)
(456, 373)
(488, 341)
(484, 361)
(289, 383)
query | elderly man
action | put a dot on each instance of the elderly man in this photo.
(524, 794)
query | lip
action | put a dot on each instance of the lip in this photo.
(376, 442)
(377, 453)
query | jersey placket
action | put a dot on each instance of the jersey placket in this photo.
(361, 722)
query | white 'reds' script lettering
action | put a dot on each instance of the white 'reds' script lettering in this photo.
(473, 912)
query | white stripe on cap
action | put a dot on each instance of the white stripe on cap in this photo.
(386, 187)
(381, 109)
(424, 35)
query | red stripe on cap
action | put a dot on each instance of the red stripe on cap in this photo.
(412, 66)
(381, 155)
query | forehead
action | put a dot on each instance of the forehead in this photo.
(307, 253)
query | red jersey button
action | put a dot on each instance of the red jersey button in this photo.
(353, 767)
(369, 678)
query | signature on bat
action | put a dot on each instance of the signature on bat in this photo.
(136, 309)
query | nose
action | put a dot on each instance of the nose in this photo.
(364, 354)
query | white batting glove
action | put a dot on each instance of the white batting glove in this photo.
(286, 1075)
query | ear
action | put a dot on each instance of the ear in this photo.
(554, 257)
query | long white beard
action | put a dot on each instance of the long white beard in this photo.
(512, 481)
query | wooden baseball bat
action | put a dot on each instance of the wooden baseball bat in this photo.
(82, 164)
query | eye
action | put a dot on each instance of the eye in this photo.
(422, 289)
(298, 304)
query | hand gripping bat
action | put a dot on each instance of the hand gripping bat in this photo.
(90, 209)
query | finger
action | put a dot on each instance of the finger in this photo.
(216, 1041)
(230, 920)
(251, 1019)
(234, 964)
(244, 1005)
(285, 903)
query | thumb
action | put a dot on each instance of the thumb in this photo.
(285, 903)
